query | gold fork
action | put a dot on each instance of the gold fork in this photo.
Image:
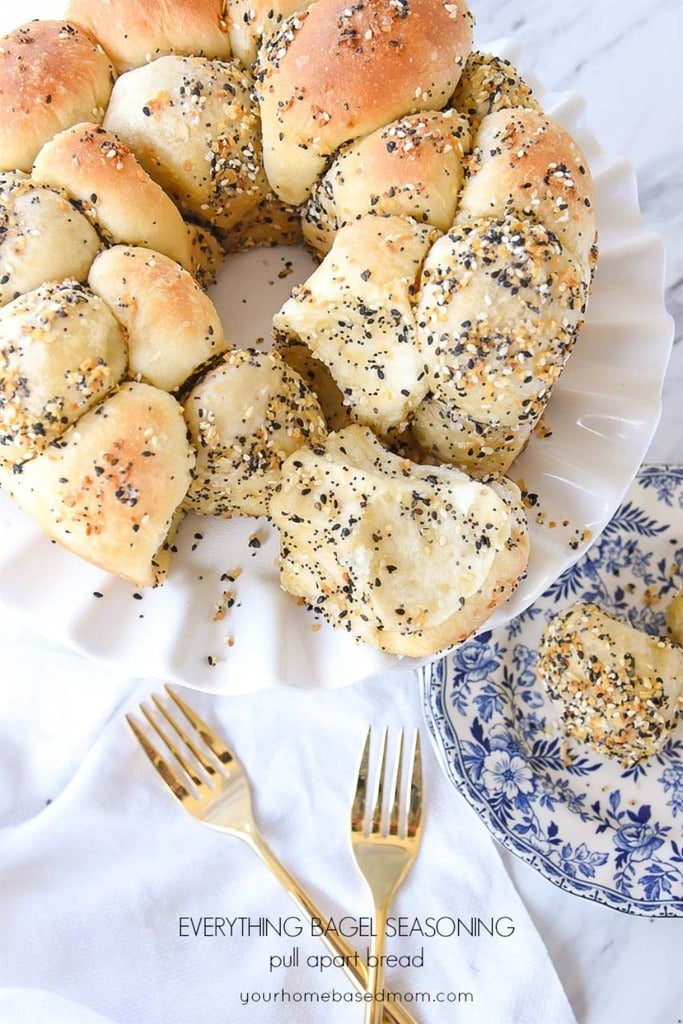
(210, 783)
(384, 853)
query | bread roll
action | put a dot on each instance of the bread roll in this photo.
(109, 490)
(619, 689)
(489, 83)
(172, 326)
(410, 168)
(411, 559)
(355, 313)
(61, 350)
(104, 179)
(52, 74)
(246, 416)
(525, 162)
(134, 32)
(251, 21)
(333, 73)
(194, 127)
(43, 237)
(498, 311)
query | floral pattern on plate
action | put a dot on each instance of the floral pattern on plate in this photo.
(592, 827)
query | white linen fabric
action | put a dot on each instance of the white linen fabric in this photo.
(104, 878)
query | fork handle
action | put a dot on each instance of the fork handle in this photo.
(353, 966)
(373, 1009)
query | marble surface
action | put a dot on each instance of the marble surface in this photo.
(625, 60)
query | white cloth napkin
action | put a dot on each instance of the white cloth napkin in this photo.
(104, 878)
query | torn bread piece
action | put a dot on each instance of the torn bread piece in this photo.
(619, 689)
(110, 488)
(246, 416)
(409, 558)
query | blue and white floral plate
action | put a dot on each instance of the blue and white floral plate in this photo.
(597, 830)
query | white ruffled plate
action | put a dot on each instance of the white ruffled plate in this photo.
(608, 834)
(596, 431)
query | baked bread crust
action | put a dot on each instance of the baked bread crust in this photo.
(134, 32)
(106, 181)
(412, 167)
(334, 72)
(172, 327)
(109, 488)
(193, 125)
(52, 74)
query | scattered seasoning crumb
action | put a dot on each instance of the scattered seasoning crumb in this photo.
(254, 541)
(137, 597)
(96, 593)
(287, 269)
(231, 576)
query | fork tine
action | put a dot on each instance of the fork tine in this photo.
(208, 766)
(395, 812)
(360, 796)
(210, 738)
(191, 770)
(376, 822)
(414, 810)
(173, 781)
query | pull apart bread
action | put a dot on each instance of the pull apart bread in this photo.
(618, 689)
(453, 225)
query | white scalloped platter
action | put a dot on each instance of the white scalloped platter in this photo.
(596, 431)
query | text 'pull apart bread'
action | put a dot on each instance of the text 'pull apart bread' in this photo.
(452, 224)
(409, 558)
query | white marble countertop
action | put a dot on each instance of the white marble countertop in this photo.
(625, 60)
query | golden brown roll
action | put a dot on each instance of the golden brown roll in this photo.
(355, 313)
(101, 175)
(172, 326)
(194, 127)
(43, 237)
(489, 83)
(411, 559)
(61, 350)
(110, 489)
(525, 162)
(498, 311)
(246, 416)
(410, 168)
(134, 32)
(333, 73)
(52, 74)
